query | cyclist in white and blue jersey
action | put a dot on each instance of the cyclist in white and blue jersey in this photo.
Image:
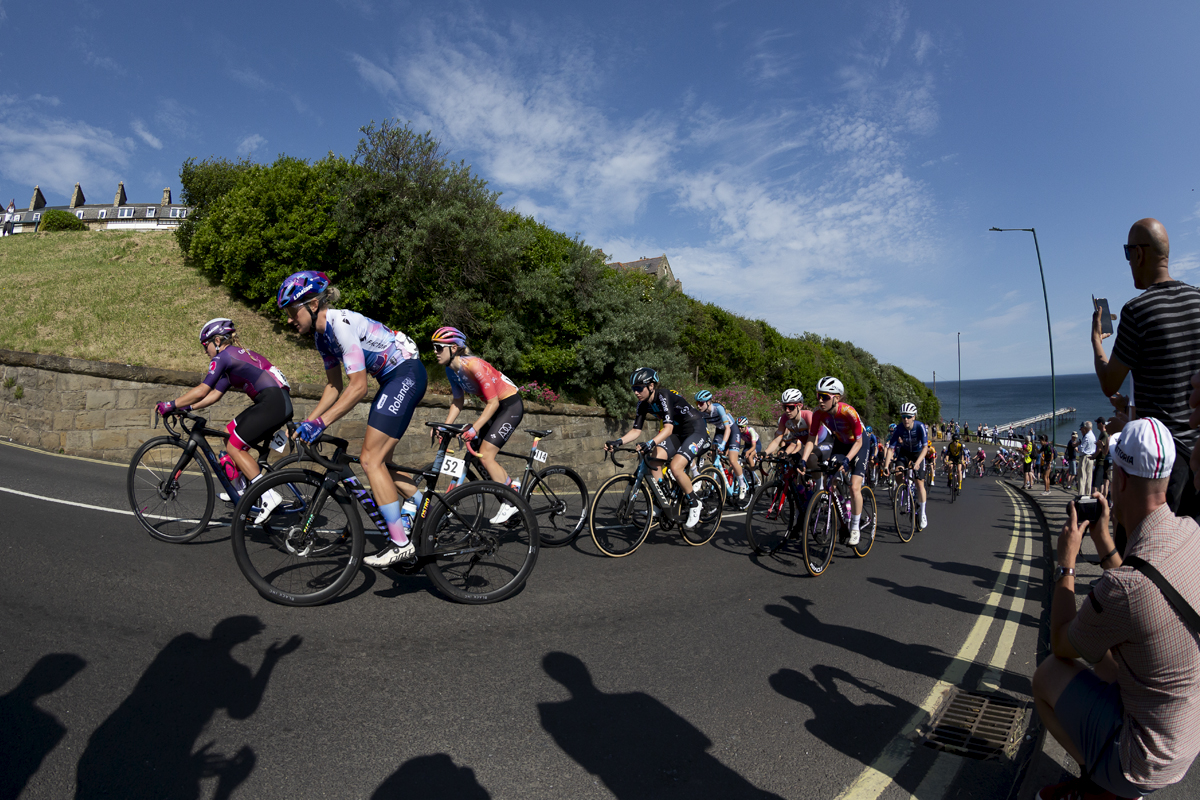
(362, 346)
(727, 437)
(910, 441)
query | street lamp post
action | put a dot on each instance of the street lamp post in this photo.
(1049, 333)
(960, 377)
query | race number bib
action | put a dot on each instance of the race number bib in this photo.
(453, 467)
(279, 441)
(540, 456)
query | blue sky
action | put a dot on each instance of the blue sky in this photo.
(830, 167)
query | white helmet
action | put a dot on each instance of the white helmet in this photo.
(831, 385)
(792, 396)
(908, 408)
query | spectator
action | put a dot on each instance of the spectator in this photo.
(1158, 340)
(1046, 456)
(1101, 459)
(1132, 721)
(1072, 457)
(1087, 457)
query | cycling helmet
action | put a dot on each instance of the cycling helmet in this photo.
(643, 375)
(301, 286)
(448, 335)
(891, 427)
(743, 422)
(831, 385)
(867, 429)
(703, 396)
(908, 408)
(954, 438)
(216, 327)
(792, 396)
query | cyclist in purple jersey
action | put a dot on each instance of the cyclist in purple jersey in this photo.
(233, 366)
(362, 346)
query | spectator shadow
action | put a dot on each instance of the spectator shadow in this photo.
(27, 733)
(146, 747)
(926, 595)
(433, 777)
(637, 746)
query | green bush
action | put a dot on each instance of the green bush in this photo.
(58, 220)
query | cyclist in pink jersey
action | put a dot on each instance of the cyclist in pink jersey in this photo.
(794, 426)
(846, 427)
(502, 412)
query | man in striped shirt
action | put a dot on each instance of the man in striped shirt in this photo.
(1158, 340)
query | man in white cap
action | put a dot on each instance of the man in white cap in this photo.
(1132, 721)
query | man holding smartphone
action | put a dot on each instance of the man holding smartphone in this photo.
(1158, 340)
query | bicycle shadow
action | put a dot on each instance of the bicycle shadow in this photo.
(27, 733)
(636, 745)
(145, 747)
(432, 777)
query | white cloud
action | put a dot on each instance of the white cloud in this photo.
(55, 152)
(145, 135)
(251, 143)
(175, 117)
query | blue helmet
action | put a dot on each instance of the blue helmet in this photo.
(867, 429)
(703, 396)
(301, 286)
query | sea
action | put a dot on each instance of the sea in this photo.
(999, 401)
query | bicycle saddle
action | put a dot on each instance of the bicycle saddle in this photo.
(455, 428)
(538, 434)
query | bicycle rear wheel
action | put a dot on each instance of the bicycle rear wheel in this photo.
(621, 516)
(477, 561)
(867, 523)
(310, 547)
(559, 500)
(770, 518)
(712, 508)
(172, 500)
(820, 532)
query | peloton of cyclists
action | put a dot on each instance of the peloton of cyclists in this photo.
(846, 428)
(726, 435)
(909, 443)
(682, 438)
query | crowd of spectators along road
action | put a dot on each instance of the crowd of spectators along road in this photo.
(1129, 712)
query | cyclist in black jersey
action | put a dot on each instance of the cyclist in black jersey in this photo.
(683, 435)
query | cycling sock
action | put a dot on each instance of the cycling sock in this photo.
(922, 508)
(692, 501)
(854, 520)
(395, 525)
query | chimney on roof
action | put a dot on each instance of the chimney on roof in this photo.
(166, 201)
(77, 198)
(120, 199)
(38, 201)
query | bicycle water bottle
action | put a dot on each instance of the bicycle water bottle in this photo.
(846, 507)
(231, 472)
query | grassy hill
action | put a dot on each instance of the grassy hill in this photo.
(126, 297)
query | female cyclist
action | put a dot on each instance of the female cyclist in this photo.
(750, 441)
(502, 412)
(726, 435)
(233, 366)
(347, 339)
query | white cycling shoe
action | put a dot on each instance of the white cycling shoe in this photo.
(693, 516)
(267, 504)
(392, 553)
(855, 535)
(924, 522)
(504, 514)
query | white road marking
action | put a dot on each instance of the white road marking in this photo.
(97, 508)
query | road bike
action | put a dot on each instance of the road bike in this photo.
(953, 481)
(170, 480)
(777, 509)
(827, 518)
(721, 470)
(903, 491)
(311, 546)
(626, 506)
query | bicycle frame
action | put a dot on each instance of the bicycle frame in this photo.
(198, 440)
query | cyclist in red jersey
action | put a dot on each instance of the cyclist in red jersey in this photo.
(795, 426)
(846, 427)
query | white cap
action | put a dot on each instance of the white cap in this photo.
(1145, 449)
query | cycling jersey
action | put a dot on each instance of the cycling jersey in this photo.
(909, 440)
(243, 370)
(955, 451)
(842, 421)
(479, 378)
(749, 437)
(720, 419)
(672, 409)
(358, 343)
(798, 429)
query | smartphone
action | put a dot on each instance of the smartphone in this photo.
(1106, 317)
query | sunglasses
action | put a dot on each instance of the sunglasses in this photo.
(639, 387)
(906, 416)
(823, 397)
(1129, 249)
(791, 406)
(437, 348)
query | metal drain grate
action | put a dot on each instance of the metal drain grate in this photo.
(977, 725)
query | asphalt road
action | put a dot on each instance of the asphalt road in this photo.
(145, 669)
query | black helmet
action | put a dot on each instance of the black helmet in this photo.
(954, 438)
(643, 375)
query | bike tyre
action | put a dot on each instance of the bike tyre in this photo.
(712, 508)
(770, 518)
(153, 464)
(868, 523)
(621, 515)
(559, 499)
(820, 533)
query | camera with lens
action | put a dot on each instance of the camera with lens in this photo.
(1087, 509)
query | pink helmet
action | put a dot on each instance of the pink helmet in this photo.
(448, 335)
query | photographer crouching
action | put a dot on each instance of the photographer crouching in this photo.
(1132, 720)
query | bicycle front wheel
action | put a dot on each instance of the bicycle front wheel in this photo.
(475, 560)
(770, 519)
(171, 498)
(868, 523)
(621, 516)
(820, 532)
(559, 500)
(904, 508)
(308, 549)
(712, 508)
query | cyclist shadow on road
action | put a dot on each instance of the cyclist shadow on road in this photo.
(145, 747)
(432, 777)
(27, 733)
(926, 595)
(637, 746)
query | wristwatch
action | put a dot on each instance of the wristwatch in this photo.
(1061, 572)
